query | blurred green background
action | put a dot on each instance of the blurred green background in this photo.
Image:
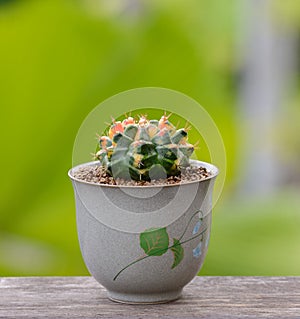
(59, 59)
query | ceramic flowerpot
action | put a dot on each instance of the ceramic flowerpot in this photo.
(144, 243)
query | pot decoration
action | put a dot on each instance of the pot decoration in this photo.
(143, 227)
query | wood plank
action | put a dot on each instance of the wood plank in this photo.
(205, 297)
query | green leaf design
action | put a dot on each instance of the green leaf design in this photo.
(154, 241)
(178, 252)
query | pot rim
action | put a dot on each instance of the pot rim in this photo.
(210, 167)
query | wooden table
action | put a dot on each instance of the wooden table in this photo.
(205, 297)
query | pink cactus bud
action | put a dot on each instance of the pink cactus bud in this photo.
(128, 121)
(143, 121)
(165, 123)
(162, 122)
(105, 142)
(117, 127)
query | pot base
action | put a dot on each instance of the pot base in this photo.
(145, 299)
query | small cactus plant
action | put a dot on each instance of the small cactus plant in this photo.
(144, 150)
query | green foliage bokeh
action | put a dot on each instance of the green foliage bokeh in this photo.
(58, 60)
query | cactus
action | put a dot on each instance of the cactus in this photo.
(145, 149)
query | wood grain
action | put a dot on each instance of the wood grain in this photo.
(205, 297)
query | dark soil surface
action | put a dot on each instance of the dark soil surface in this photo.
(97, 174)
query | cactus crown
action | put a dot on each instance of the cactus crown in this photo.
(144, 149)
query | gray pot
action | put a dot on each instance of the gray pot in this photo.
(144, 243)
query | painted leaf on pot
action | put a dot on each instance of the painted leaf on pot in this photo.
(178, 252)
(154, 241)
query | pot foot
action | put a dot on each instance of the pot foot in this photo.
(146, 298)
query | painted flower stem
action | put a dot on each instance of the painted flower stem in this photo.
(174, 245)
(188, 224)
(187, 240)
(134, 262)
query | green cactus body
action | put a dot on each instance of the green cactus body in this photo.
(145, 149)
